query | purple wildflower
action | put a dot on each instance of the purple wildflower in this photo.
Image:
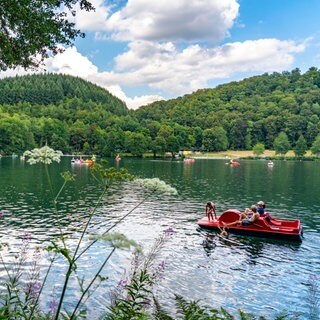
(27, 236)
(169, 231)
(1, 214)
(160, 270)
(52, 307)
(162, 265)
(122, 283)
(312, 278)
(135, 262)
(33, 289)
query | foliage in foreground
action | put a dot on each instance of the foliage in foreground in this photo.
(31, 29)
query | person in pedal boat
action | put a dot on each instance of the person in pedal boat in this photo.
(246, 218)
(211, 210)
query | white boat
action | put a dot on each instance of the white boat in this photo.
(270, 163)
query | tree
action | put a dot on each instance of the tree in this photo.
(198, 136)
(78, 135)
(158, 145)
(215, 139)
(237, 134)
(114, 141)
(15, 134)
(136, 143)
(301, 147)
(281, 143)
(258, 149)
(315, 149)
(173, 145)
(36, 27)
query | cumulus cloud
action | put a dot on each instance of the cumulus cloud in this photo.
(165, 20)
(164, 67)
(71, 62)
(179, 20)
(135, 102)
(92, 20)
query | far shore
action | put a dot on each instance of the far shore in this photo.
(232, 154)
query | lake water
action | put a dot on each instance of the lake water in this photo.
(257, 275)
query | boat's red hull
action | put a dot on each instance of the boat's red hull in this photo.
(263, 227)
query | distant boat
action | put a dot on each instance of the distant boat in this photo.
(270, 163)
(89, 162)
(76, 161)
(22, 157)
(188, 160)
(233, 163)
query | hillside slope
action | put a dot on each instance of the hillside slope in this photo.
(45, 89)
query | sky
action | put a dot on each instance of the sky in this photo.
(147, 50)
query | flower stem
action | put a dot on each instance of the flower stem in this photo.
(74, 258)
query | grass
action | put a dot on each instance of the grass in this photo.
(239, 154)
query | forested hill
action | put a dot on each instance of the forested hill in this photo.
(46, 89)
(72, 115)
(253, 110)
(65, 112)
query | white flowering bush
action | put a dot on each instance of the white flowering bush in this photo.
(156, 185)
(44, 155)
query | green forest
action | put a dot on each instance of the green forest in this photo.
(279, 111)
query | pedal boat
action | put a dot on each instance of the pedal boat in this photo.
(266, 226)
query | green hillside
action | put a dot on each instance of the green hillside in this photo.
(68, 113)
(254, 110)
(278, 110)
(45, 89)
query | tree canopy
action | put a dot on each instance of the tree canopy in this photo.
(31, 29)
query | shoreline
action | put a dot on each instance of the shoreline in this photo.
(231, 154)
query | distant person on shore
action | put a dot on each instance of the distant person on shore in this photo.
(211, 210)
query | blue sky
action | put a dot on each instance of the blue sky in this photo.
(144, 50)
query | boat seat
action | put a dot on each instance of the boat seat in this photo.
(229, 216)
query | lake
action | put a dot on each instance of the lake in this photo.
(258, 275)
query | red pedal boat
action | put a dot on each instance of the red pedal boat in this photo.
(265, 226)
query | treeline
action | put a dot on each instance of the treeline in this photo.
(239, 115)
(73, 115)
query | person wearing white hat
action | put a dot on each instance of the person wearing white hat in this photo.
(261, 206)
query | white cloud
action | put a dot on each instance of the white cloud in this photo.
(164, 67)
(165, 20)
(135, 102)
(92, 20)
(71, 62)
